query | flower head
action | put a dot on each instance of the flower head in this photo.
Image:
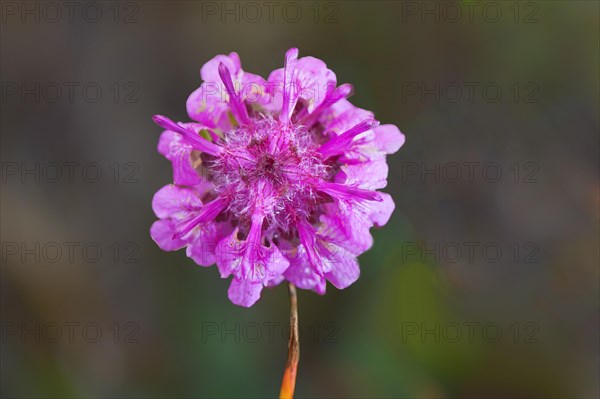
(276, 179)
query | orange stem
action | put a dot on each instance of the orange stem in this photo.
(289, 375)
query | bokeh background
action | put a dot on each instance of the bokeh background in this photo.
(423, 320)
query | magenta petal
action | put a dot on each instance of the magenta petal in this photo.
(345, 272)
(202, 216)
(171, 201)
(348, 193)
(323, 253)
(164, 142)
(244, 293)
(315, 252)
(249, 259)
(388, 138)
(347, 219)
(342, 116)
(236, 104)
(177, 205)
(363, 214)
(210, 71)
(162, 233)
(315, 81)
(302, 275)
(370, 175)
(380, 212)
(338, 144)
(206, 214)
(310, 81)
(275, 84)
(202, 252)
(309, 118)
(354, 219)
(275, 281)
(189, 135)
(344, 268)
(252, 264)
(254, 89)
(290, 89)
(300, 272)
(183, 172)
(203, 243)
(172, 146)
(208, 105)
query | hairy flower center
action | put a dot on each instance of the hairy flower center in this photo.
(266, 163)
(268, 167)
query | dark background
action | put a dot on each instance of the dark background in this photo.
(427, 318)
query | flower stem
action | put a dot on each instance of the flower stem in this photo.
(289, 375)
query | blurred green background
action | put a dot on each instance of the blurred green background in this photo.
(416, 323)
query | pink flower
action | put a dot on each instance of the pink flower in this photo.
(276, 180)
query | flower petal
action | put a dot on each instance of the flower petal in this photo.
(315, 81)
(343, 267)
(345, 272)
(347, 193)
(202, 216)
(301, 274)
(342, 116)
(209, 104)
(236, 102)
(176, 150)
(210, 71)
(380, 212)
(323, 253)
(189, 135)
(348, 221)
(309, 118)
(369, 175)
(252, 264)
(244, 292)
(388, 138)
(250, 259)
(203, 242)
(339, 144)
(175, 202)
(162, 231)
(311, 82)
